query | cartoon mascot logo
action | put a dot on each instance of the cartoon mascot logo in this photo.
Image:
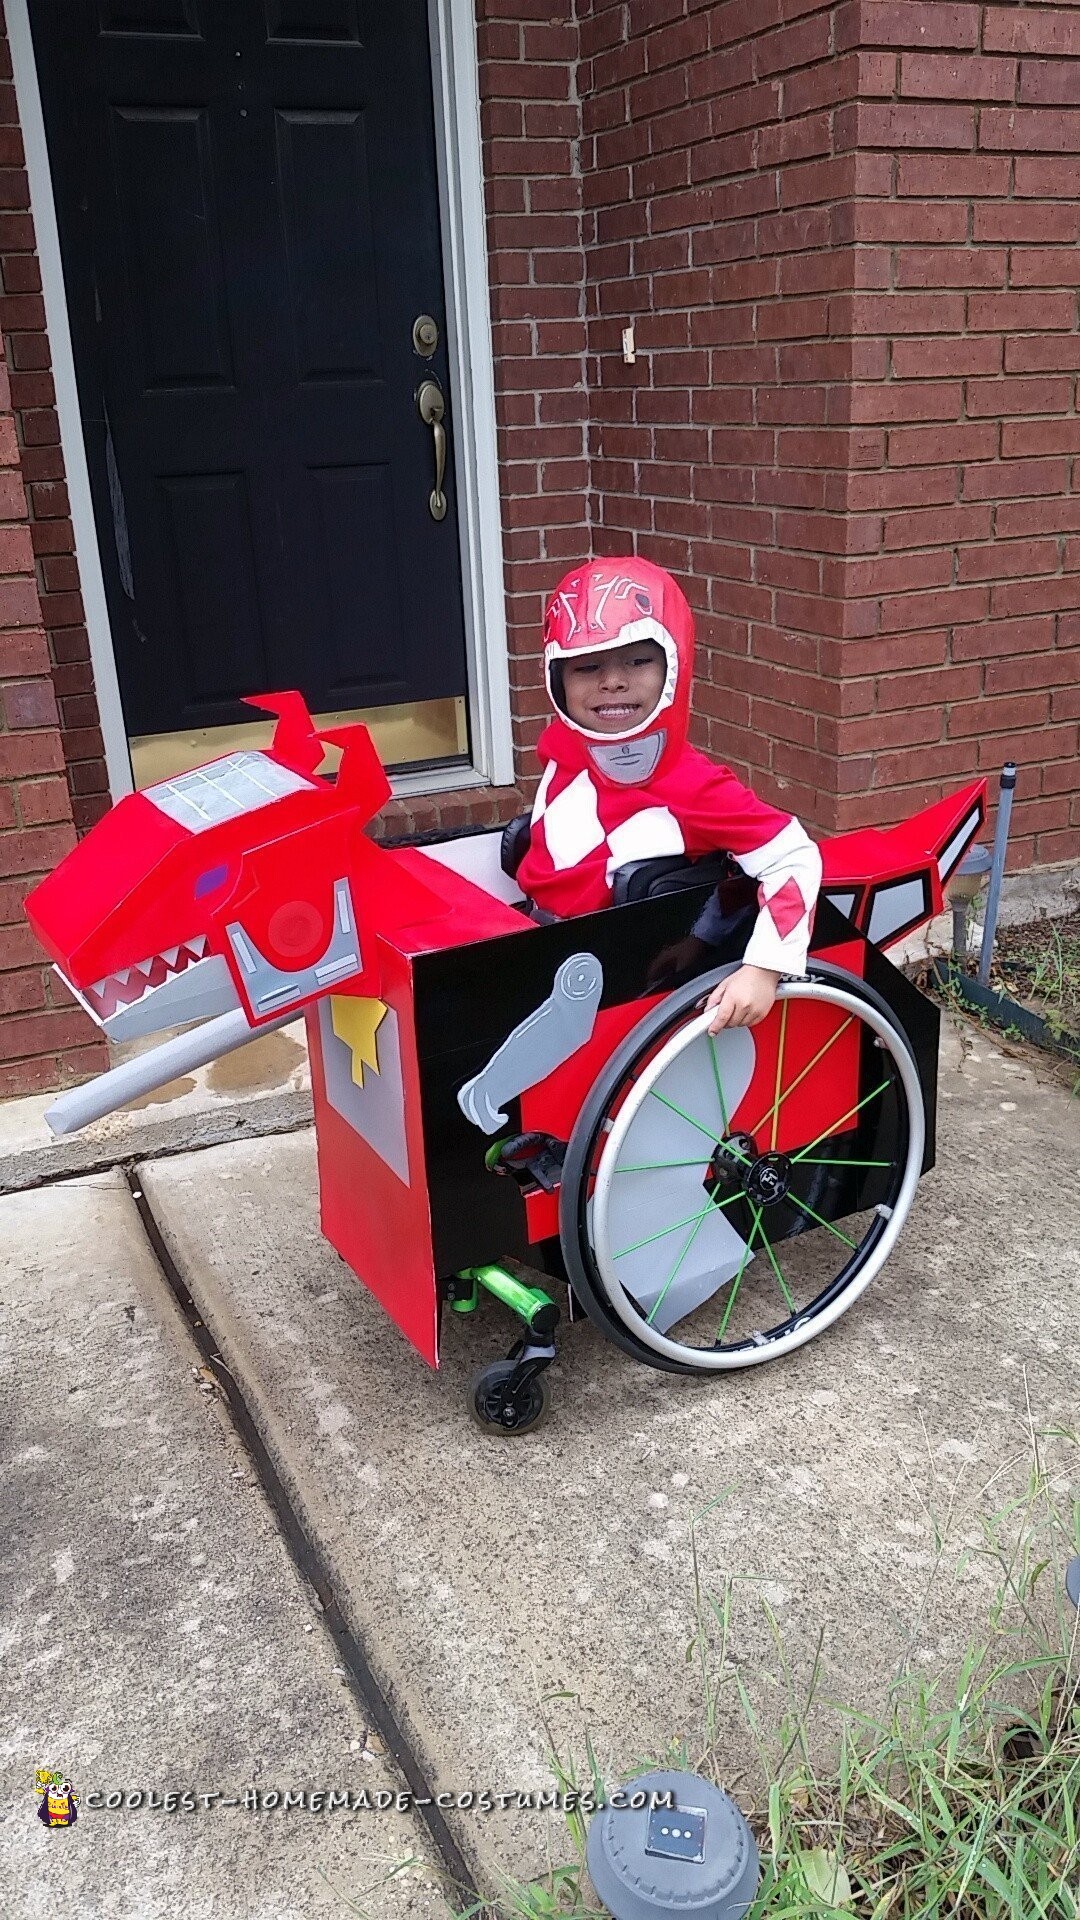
(58, 1806)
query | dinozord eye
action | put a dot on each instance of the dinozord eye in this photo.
(297, 928)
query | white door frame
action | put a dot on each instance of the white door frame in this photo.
(472, 376)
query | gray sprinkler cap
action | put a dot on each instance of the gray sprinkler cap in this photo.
(697, 1859)
(1072, 1581)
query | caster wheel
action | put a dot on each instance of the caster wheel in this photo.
(495, 1402)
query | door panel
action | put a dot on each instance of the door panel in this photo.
(248, 210)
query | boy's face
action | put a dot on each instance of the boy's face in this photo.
(616, 690)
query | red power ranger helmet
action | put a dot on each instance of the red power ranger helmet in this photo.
(612, 603)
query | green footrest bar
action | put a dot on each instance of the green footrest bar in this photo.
(525, 1301)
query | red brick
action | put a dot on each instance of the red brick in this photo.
(34, 849)
(24, 1035)
(1038, 516)
(927, 175)
(23, 653)
(1022, 437)
(1000, 397)
(919, 609)
(1044, 267)
(931, 526)
(1008, 560)
(1043, 84)
(898, 691)
(943, 76)
(1003, 637)
(21, 992)
(1030, 670)
(29, 753)
(925, 446)
(1056, 846)
(19, 603)
(1025, 221)
(1020, 312)
(1028, 353)
(29, 703)
(1030, 30)
(907, 23)
(42, 802)
(1026, 597)
(18, 948)
(897, 400)
(1010, 479)
(982, 717)
(940, 358)
(1046, 178)
(893, 126)
(1029, 130)
(950, 267)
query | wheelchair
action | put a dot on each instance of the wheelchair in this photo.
(723, 1199)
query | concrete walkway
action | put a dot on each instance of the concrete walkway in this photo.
(508, 1594)
(154, 1633)
(488, 1575)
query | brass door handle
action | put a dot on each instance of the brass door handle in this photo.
(432, 408)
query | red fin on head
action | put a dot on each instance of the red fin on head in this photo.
(296, 743)
(361, 779)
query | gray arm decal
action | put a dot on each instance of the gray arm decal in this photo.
(540, 1044)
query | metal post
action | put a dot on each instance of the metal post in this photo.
(997, 869)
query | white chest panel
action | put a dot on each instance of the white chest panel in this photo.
(572, 824)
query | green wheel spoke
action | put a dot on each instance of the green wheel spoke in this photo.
(692, 1219)
(716, 1076)
(738, 1277)
(663, 1166)
(792, 1200)
(709, 1132)
(784, 1288)
(825, 1161)
(661, 1296)
(843, 1120)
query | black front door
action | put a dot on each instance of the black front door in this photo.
(248, 212)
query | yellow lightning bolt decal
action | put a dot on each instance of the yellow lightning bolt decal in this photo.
(356, 1022)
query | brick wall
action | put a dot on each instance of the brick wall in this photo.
(847, 236)
(719, 174)
(44, 1039)
(968, 583)
(33, 398)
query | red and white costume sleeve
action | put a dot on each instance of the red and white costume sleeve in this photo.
(607, 799)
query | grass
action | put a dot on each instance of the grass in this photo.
(1040, 965)
(958, 1799)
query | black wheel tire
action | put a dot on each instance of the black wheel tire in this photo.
(495, 1411)
(588, 1288)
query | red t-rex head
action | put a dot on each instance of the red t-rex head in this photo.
(612, 603)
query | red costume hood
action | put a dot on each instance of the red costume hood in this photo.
(612, 603)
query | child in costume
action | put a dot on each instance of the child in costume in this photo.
(620, 782)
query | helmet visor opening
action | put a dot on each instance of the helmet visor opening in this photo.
(618, 689)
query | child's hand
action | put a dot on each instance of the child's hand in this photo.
(743, 999)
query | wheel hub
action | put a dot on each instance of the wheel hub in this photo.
(735, 1164)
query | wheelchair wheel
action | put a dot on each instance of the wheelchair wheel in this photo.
(724, 1200)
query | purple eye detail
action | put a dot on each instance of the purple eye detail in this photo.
(210, 881)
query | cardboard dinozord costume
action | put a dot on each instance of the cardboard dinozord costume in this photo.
(486, 1086)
